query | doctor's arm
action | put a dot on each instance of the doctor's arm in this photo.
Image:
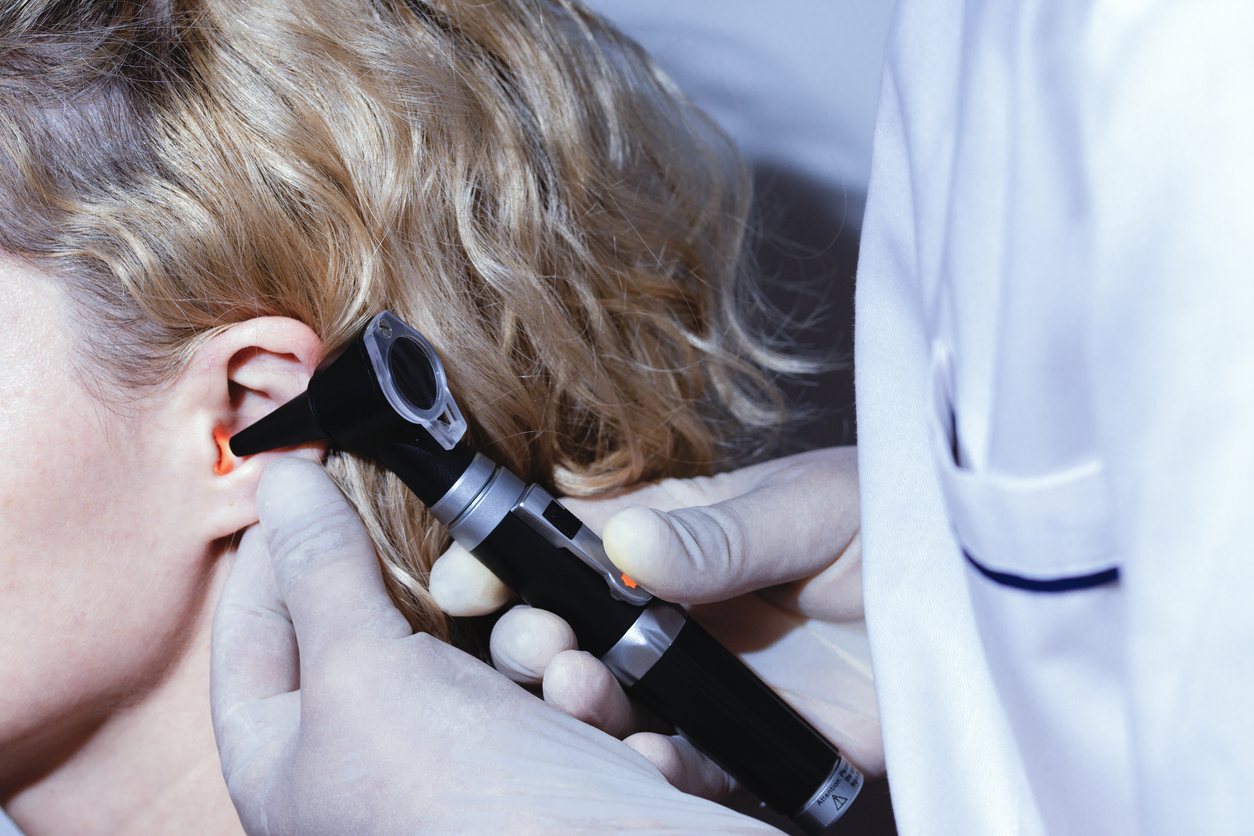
(1174, 377)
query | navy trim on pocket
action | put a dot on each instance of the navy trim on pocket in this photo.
(1052, 585)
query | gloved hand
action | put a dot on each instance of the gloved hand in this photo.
(770, 554)
(331, 717)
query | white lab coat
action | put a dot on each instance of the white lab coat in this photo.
(1055, 375)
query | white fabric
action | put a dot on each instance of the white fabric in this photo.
(7, 827)
(1055, 368)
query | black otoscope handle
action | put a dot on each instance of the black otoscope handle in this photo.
(739, 722)
(660, 655)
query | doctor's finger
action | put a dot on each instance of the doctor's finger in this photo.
(793, 525)
(254, 669)
(324, 563)
(683, 766)
(672, 494)
(580, 685)
(462, 586)
(253, 646)
(531, 646)
(525, 640)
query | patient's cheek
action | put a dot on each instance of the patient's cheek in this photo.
(94, 597)
(86, 597)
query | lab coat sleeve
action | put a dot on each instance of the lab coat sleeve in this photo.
(952, 761)
(1171, 150)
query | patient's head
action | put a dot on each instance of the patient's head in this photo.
(199, 200)
(513, 178)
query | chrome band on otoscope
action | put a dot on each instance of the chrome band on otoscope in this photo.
(487, 509)
(464, 490)
(832, 799)
(649, 637)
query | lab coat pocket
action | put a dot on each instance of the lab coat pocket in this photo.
(1047, 603)
(1048, 533)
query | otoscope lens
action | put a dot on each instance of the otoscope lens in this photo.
(412, 373)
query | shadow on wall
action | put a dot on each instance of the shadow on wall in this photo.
(807, 256)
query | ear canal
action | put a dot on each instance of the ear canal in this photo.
(226, 461)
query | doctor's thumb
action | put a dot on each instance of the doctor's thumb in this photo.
(689, 556)
(323, 561)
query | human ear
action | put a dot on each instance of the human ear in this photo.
(234, 379)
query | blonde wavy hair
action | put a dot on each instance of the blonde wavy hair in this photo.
(515, 178)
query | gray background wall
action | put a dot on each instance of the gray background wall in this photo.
(795, 83)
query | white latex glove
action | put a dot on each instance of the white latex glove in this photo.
(332, 718)
(771, 556)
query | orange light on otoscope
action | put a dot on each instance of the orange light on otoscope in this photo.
(226, 461)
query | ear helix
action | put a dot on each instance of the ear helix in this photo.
(226, 460)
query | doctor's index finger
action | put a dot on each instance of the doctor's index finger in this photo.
(324, 563)
(791, 523)
(672, 494)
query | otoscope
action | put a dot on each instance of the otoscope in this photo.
(386, 397)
